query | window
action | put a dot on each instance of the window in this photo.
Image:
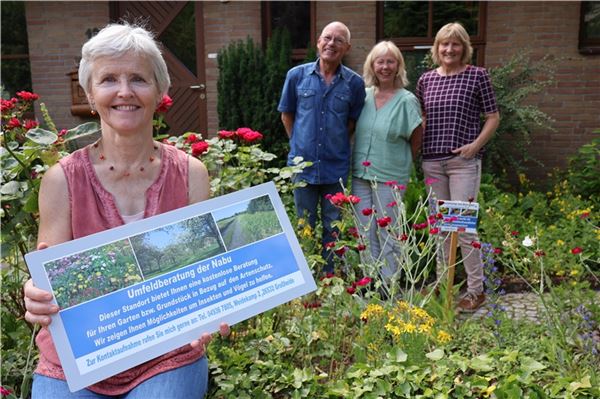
(16, 72)
(589, 28)
(298, 17)
(412, 25)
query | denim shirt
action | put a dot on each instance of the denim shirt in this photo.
(321, 114)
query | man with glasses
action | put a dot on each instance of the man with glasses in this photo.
(319, 106)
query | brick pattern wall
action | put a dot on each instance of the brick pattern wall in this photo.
(550, 28)
(56, 33)
(360, 19)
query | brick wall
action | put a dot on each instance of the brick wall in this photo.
(550, 28)
(56, 33)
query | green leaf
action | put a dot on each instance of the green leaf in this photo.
(41, 136)
(583, 383)
(482, 363)
(81, 130)
(530, 365)
(435, 355)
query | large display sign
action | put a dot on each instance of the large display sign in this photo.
(135, 292)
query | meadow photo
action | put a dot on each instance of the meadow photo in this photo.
(180, 244)
(87, 275)
(247, 222)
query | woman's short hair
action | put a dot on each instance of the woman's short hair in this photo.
(379, 50)
(115, 40)
(453, 30)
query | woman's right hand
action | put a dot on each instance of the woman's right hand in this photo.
(38, 302)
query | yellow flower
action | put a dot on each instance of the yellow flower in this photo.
(488, 391)
(560, 273)
(560, 242)
(409, 328)
(307, 231)
(372, 310)
(443, 336)
(421, 245)
(574, 272)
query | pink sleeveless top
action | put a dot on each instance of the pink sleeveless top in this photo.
(93, 209)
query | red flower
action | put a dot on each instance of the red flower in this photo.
(403, 237)
(353, 231)
(192, 138)
(350, 290)
(419, 226)
(164, 104)
(440, 202)
(29, 124)
(199, 148)
(338, 199)
(514, 233)
(327, 275)
(366, 163)
(392, 204)
(27, 96)
(476, 244)
(329, 245)
(497, 251)
(226, 134)
(251, 137)
(384, 221)
(430, 180)
(5, 105)
(4, 391)
(353, 199)
(434, 230)
(400, 187)
(577, 250)
(584, 215)
(361, 247)
(367, 211)
(13, 123)
(391, 183)
(471, 199)
(341, 251)
(62, 132)
(364, 281)
(539, 253)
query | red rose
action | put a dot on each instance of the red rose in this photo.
(497, 251)
(29, 124)
(226, 134)
(329, 245)
(353, 199)
(367, 211)
(353, 231)
(27, 96)
(350, 290)
(165, 103)
(577, 250)
(199, 148)
(476, 244)
(403, 237)
(392, 204)
(366, 163)
(435, 230)
(252, 136)
(514, 233)
(192, 138)
(6, 105)
(361, 247)
(391, 183)
(341, 251)
(13, 123)
(539, 253)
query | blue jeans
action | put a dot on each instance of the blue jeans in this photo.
(307, 200)
(384, 247)
(187, 382)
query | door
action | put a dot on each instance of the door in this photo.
(178, 26)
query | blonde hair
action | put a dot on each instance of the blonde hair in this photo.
(453, 30)
(379, 50)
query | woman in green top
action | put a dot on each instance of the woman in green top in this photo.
(388, 137)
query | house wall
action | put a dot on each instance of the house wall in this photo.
(57, 31)
(550, 28)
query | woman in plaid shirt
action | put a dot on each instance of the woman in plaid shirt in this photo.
(453, 97)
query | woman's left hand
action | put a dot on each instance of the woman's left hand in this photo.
(467, 151)
(202, 342)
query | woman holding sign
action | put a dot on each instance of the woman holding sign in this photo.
(453, 97)
(123, 177)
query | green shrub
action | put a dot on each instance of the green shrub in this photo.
(249, 86)
(583, 173)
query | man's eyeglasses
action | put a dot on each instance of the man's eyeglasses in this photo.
(338, 41)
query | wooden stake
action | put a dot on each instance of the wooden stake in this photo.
(451, 267)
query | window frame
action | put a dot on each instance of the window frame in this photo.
(478, 41)
(298, 54)
(589, 46)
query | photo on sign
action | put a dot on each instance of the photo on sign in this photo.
(247, 222)
(176, 245)
(89, 274)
